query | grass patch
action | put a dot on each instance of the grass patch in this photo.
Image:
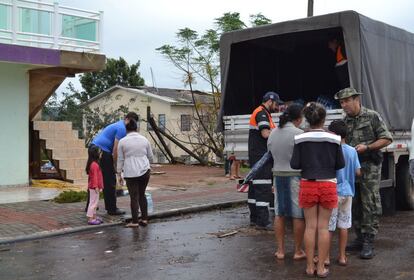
(73, 196)
(210, 183)
(244, 169)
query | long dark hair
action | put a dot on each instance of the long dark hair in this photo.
(293, 112)
(93, 156)
(315, 113)
(131, 125)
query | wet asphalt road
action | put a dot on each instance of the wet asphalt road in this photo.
(188, 248)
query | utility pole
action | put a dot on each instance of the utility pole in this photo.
(310, 8)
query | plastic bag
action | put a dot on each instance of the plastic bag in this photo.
(150, 203)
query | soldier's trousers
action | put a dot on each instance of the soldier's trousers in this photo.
(366, 205)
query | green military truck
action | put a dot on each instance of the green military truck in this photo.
(292, 58)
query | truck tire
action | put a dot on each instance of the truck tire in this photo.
(404, 185)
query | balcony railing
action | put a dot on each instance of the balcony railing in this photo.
(48, 25)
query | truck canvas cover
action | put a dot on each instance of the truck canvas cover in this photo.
(292, 59)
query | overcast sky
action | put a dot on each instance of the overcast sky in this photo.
(134, 29)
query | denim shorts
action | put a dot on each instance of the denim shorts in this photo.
(287, 197)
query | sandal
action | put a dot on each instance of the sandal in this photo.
(300, 257)
(323, 275)
(316, 260)
(143, 223)
(94, 222)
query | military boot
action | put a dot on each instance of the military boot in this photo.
(356, 245)
(367, 251)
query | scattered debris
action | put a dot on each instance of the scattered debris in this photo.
(228, 234)
(108, 251)
(157, 172)
(99, 232)
(224, 234)
(177, 189)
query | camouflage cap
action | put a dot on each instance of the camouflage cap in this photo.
(346, 92)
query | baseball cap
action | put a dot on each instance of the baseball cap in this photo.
(272, 96)
(346, 92)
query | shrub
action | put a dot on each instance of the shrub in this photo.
(71, 196)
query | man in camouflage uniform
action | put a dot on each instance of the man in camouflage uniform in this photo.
(367, 132)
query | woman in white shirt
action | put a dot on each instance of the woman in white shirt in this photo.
(134, 156)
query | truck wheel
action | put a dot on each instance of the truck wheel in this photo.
(404, 185)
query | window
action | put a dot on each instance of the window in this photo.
(206, 122)
(34, 21)
(161, 122)
(79, 28)
(185, 122)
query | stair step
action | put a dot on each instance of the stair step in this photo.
(57, 143)
(81, 183)
(70, 163)
(68, 153)
(58, 134)
(52, 125)
(75, 173)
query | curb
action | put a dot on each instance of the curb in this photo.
(158, 215)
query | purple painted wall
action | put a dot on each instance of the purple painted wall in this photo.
(29, 55)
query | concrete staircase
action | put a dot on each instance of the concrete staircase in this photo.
(66, 151)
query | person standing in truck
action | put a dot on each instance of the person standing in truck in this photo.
(341, 62)
(368, 134)
(260, 192)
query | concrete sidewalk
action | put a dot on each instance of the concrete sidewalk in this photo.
(38, 219)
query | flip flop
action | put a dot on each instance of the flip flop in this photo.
(316, 260)
(302, 257)
(143, 223)
(279, 256)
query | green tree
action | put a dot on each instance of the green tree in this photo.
(116, 72)
(64, 108)
(197, 56)
(259, 19)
